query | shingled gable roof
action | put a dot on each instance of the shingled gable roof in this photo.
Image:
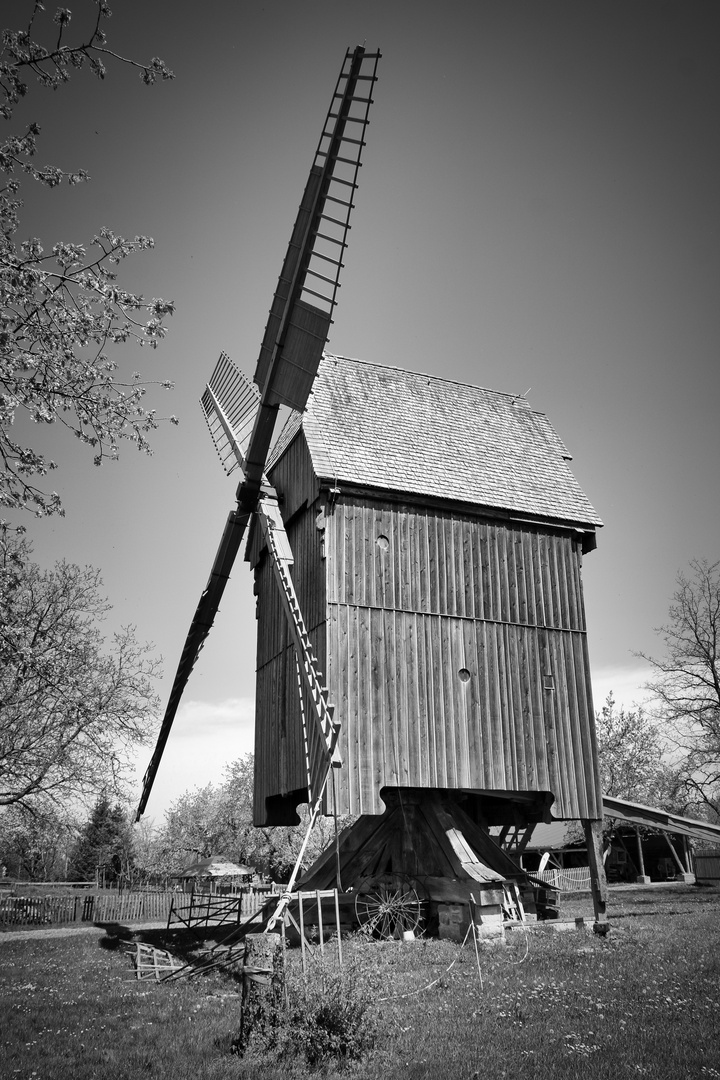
(386, 428)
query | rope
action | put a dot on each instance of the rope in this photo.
(527, 947)
(412, 993)
(422, 989)
(257, 974)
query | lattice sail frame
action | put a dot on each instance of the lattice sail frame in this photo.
(293, 342)
(343, 148)
(301, 312)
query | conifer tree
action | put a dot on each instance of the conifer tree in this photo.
(104, 846)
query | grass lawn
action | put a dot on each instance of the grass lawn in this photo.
(643, 1002)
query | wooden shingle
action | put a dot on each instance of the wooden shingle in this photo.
(386, 428)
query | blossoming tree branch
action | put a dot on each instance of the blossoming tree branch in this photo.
(62, 310)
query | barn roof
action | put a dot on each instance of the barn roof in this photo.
(215, 866)
(383, 427)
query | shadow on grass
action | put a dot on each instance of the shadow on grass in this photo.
(191, 947)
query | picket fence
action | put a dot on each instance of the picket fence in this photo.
(84, 907)
(574, 879)
(120, 907)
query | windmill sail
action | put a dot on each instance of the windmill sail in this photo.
(294, 338)
(199, 629)
(230, 404)
(301, 312)
(306, 294)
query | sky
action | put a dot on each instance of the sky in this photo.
(537, 213)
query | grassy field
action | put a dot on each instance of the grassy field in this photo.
(643, 1002)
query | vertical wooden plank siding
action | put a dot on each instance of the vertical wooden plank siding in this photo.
(399, 600)
(448, 593)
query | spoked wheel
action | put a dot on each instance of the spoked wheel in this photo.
(387, 906)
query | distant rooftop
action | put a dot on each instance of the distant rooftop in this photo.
(386, 428)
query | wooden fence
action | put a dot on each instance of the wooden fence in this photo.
(115, 907)
(707, 867)
(84, 907)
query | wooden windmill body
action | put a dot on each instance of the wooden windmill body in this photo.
(441, 587)
(416, 544)
(438, 535)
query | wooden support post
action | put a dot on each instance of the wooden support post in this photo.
(337, 924)
(302, 932)
(320, 922)
(473, 923)
(523, 843)
(685, 874)
(674, 853)
(263, 979)
(642, 877)
(598, 881)
(627, 852)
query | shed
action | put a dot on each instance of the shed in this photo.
(214, 871)
(645, 844)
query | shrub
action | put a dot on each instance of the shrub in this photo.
(329, 1016)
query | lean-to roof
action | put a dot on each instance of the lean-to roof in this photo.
(382, 427)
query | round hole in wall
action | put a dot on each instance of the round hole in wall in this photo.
(464, 675)
(383, 543)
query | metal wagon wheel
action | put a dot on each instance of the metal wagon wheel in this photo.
(389, 905)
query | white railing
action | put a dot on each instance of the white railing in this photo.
(574, 879)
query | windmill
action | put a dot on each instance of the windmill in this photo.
(420, 541)
(242, 416)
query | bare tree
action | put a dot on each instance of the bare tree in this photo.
(686, 682)
(71, 710)
(631, 758)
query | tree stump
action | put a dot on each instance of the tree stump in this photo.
(263, 974)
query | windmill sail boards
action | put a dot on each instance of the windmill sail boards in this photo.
(230, 404)
(302, 307)
(301, 312)
(292, 345)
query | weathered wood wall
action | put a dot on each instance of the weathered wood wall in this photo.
(457, 647)
(454, 648)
